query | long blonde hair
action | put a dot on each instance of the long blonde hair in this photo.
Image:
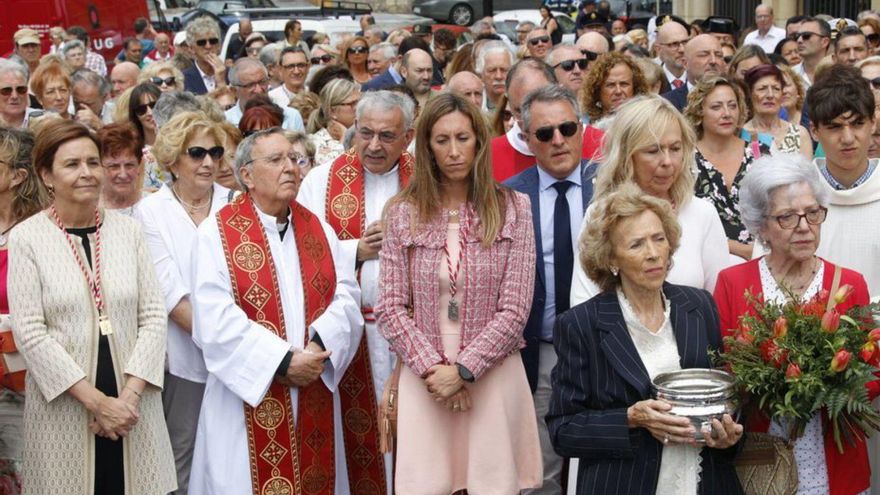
(333, 94)
(424, 190)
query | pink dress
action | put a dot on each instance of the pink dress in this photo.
(491, 449)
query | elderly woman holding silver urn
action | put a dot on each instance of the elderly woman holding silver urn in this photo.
(612, 346)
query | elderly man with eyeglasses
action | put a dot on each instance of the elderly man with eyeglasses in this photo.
(14, 109)
(209, 71)
(250, 78)
(569, 65)
(294, 69)
(350, 193)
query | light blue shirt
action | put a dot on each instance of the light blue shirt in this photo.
(396, 75)
(546, 205)
(293, 121)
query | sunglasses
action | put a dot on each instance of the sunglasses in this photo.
(567, 129)
(590, 55)
(806, 35)
(875, 83)
(568, 65)
(539, 39)
(199, 153)
(158, 81)
(323, 59)
(206, 41)
(7, 91)
(141, 110)
(358, 49)
(873, 38)
(506, 115)
(728, 59)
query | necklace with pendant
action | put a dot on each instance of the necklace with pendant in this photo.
(4, 236)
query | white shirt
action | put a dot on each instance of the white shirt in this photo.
(767, 42)
(671, 77)
(701, 254)
(242, 356)
(801, 71)
(281, 96)
(210, 84)
(170, 233)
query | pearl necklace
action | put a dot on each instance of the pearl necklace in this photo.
(192, 209)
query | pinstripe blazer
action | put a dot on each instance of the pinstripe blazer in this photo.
(600, 374)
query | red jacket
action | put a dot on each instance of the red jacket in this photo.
(507, 161)
(848, 473)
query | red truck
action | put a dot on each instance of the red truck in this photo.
(108, 22)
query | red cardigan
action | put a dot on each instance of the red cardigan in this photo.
(507, 161)
(848, 473)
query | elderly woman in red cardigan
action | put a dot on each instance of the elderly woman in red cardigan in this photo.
(783, 204)
(457, 268)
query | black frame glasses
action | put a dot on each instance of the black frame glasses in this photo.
(806, 35)
(206, 41)
(791, 220)
(199, 153)
(141, 110)
(590, 55)
(158, 81)
(568, 65)
(545, 134)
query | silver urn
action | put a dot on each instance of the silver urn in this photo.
(698, 394)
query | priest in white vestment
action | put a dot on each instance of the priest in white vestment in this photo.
(243, 358)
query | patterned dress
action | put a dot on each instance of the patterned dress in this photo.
(710, 185)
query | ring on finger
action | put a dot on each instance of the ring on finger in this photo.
(665, 438)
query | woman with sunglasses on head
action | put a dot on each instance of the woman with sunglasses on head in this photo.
(190, 149)
(327, 124)
(787, 49)
(458, 262)
(88, 320)
(141, 101)
(355, 52)
(165, 75)
(652, 145)
(765, 85)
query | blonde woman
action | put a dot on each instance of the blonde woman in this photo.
(354, 54)
(165, 75)
(652, 145)
(327, 124)
(793, 94)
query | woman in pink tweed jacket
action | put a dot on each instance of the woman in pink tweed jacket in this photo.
(456, 282)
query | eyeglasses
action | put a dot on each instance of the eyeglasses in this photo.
(7, 91)
(568, 65)
(873, 38)
(228, 107)
(590, 55)
(386, 137)
(350, 104)
(806, 35)
(277, 159)
(789, 221)
(545, 134)
(141, 110)
(199, 153)
(539, 39)
(251, 86)
(358, 49)
(728, 59)
(675, 44)
(158, 81)
(299, 65)
(206, 41)
(117, 167)
(506, 115)
(323, 59)
(875, 83)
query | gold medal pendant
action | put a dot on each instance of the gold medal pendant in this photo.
(104, 325)
(452, 312)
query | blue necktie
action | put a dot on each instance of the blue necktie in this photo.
(563, 254)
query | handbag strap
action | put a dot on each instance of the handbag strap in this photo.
(835, 284)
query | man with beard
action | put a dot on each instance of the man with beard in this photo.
(703, 57)
(416, 67)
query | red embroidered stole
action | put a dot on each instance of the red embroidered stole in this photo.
(345, 213)
(287, 456)
(345, 193)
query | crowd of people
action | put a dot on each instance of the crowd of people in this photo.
(402, 262)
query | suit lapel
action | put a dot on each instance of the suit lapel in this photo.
(618, 345)
(588, 172)
(688, 330)
(532, 187)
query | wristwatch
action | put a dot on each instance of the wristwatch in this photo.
(465, 373)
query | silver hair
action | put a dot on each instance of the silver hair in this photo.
(348, 138)
(388, 50)
(7, 66)
(172, 103)
(387, 101)
(91, 78)
(270, 54)
(547, 94)
(523, 24)
(242, 64)
(374, 30)
(70, 45)
(494, 46)
(479, 27)
(201, 25)
(550, 55)
(767, 175)
(244, 152)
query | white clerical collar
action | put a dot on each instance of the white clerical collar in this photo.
(515, 138)
(392, 171)
(270, 222)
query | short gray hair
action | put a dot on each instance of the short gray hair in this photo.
(491, 47)
(241, 64)
(174, 102)
(547, 94)
(387, 101)
(768, 174)
(552, 53)
(388, 50)
(70, 45)
(245, 150)
(7, 66)
(374, 30)
(270, 54)
(528, 24)
(92, 78)
(479, 26)
(201, 25)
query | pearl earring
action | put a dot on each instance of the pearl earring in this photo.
(614, 270)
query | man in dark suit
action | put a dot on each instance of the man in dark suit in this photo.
(560, 188)
(392, 76)
(209, 71)
(703, 58)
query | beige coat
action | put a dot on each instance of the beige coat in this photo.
(55, 327)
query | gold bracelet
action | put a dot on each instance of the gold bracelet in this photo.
(135, 392)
